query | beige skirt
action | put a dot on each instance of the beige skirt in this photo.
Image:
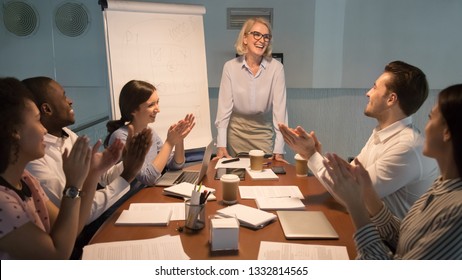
(247, 133)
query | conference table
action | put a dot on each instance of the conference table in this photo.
(196, 243)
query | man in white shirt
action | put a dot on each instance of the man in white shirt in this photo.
(57, 113)
(393, 154)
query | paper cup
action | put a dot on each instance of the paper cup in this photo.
(229, 186)
(301, 166)
(256, 160)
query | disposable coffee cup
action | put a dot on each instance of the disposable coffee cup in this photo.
(256, 160)
(229, 186)
(301, 166)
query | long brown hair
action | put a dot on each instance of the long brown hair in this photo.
(132, 95)
(13, 96)
(450, 104)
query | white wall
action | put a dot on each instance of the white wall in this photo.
(344, 43)
(77, 63)
(326, 44)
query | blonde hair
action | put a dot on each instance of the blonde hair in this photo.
(248, 24)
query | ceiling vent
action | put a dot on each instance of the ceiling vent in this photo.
(20, 18)
(72, 19)
(237, 16)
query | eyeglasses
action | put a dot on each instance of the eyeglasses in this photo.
(257, 36)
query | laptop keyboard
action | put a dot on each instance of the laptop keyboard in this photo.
(188, 177)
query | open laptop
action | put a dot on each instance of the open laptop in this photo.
(306, 225)
(171, 178)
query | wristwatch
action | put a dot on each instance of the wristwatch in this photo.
(71, 192)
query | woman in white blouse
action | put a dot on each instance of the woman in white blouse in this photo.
(252, 97)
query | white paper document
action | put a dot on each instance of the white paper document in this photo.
(290, 251)
(176, 207)
(279, 203)
(161, 248)
(241, 163)
(265, 174)
(185, 190)
(159, 217)
(252, 192)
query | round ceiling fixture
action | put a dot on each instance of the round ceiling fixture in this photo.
(72, 19)
(20, 18)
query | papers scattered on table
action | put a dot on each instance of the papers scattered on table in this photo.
(248, 216)
(265, 174)
(252, 192)
(185, 189)
(159, 217)
(290, 251)
(176, 207)
(161, 248)
(279, 203)
(242, 163)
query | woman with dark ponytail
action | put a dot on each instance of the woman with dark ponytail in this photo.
(139, 106)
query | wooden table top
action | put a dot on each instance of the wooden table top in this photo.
(196, 244)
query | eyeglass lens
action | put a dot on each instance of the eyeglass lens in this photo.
(257, 36)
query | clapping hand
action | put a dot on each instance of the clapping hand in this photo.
(102, 161)
(301, 142)
(76, 163)
(347, 182)
(177, 132)
(136, 148)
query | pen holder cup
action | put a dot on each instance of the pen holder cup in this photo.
(194, 215)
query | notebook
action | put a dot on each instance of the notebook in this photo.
(306, 225)
(171, 178)
(185, 190)
(147, 218)
(265, 174)
(248, 216)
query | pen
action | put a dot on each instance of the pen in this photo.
(203, 197)
(207, 196)
(230, 160)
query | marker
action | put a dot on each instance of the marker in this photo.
(230, 160)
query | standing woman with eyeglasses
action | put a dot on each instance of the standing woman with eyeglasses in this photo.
(252, 97)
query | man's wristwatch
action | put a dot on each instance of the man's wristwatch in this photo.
(71, 192)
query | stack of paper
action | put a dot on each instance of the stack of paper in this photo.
(290, 251)
(176, 207)
(242, 163)
(265, 174)
(279, 203)
(274, 197)
(252, 192)
(161, 248)
(248, 216)
(145, 218)
(185, 189)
